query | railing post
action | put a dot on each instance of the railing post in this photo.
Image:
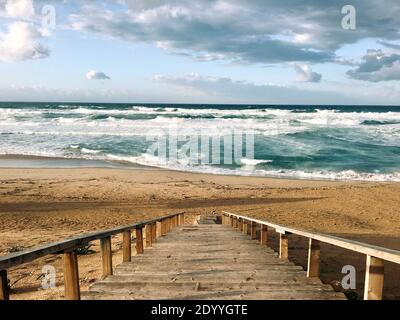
(106, 253)
(236, 223)
(283, 246)
(264, 235)
(253, 230)
(163, 227)
(231, 221)
(241, 225)
(71, 276)
(244, 228)
(149, 242)
(154, 232)
(158, 229)
(4, 289)
(314, 252)
(139, 240)
(248, 228)
(374, 276)
(127, 246)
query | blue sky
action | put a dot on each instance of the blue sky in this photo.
(236, 51)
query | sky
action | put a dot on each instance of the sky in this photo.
(211, 51)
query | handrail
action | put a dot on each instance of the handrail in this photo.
(154, 229)
(375, 254)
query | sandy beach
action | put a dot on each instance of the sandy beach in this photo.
(43, 205)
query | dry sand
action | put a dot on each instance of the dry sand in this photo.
(44, 205)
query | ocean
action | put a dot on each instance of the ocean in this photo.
(305, 142)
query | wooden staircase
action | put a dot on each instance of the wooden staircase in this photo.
(208, 261)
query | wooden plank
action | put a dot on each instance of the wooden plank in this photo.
(106, 254)
(314, 252)
(127, 246)
(367, 249)
(4, 289)
(139, 241)
(153, 232)
(71, 276)
(264, 235)
(149, 242)
(248, 229)
(241, 225)
(244, 226)
(158, 229)
(253, 231)
(374, 277)
(283, 246)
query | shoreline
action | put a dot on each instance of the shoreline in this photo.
(48, 163)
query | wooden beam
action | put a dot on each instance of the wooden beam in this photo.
(244, 227)
(241, 225)
(264, 235)
(149, 242)
(127, 246)
(154, 232)
(314, 252)
(231, 221)
(283, 246)
(253, 231)
(158, 229)
(374, 276)
(4, 289)
(139, 241)
(163, 227)
(71, 276)
(106, 253)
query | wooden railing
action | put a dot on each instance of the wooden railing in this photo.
(153, 230)
(376, 256)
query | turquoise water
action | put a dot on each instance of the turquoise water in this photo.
(318, 142)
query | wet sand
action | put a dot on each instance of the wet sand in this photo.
(44, 205)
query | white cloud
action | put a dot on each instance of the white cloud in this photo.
(21, 42)
(305, 74)
(94, 75)
(19, 8)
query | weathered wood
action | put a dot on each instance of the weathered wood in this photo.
(139, 241)
(314, 252)
(374, 277)
(241, 225)
(149, 242)
(244, 227)
(253, 231)
(264, 235)
(158, 229)
(163, 227)
(106, 254)
(367, 249)
(232, 221)
(127, 246)
(153, 232)
(248, 229)
(71, 276)
(182, 266)
(283, 246)
(4, 289)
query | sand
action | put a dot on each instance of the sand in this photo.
(43, 205)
